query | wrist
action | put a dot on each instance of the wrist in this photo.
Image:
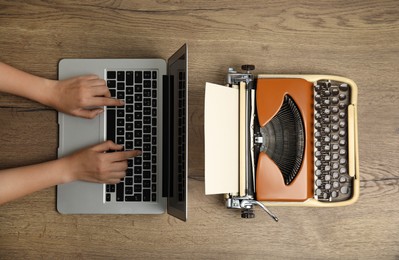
(68, 173)
(50, 96)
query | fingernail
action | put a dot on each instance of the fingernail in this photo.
(99, 111)
(139, 152)
(122, 102)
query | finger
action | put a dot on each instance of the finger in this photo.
(100, 91)
(107, 145)
(90, 77)
(114, 181)
(118, 166)
(120, 156)
(96, 82)
(105, 101)
(89, 114)
(117, 175)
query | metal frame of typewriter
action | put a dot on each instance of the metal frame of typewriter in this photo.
(249, 138)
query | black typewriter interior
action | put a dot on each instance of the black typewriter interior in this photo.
(284, 139)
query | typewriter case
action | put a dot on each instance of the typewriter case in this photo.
(297, 141)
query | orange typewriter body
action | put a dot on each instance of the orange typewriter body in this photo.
(270, 185)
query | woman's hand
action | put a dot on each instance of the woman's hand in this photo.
(82, 96)
(94, 165)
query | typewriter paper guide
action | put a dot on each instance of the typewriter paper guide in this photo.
(221, 139)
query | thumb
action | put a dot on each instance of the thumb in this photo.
(107, 145)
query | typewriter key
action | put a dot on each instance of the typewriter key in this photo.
(317, 153)
(317, 87)
(326, 139)
(335, 175)
(342, 96)
(335, 156)
(335, 166)
(326, 130)
(344, 189)
(318, 192)
(342, 179)
(342, 105)
(327, 158)
(327, 168)
(335, 137)
(335, 91)
(342, 161)
(317, 116)
(342, 152)
(342, 142)
(335, 184)
(335, 147)
(318, 144)
(334, 119)
(326, 148)
(327, 93)
(318, 163)
(317, 106)
(325, 195)
(342, 170)
(342, 124)
(334, 110)
(317, 125)
(343, 87)
(319, 183)
(334, 100)
(317, 134)
(318, 172)
(334, 194)
(326, 120)
(326, 111)
(317, 97)
(327, 177)
(327, 186)
(342, 114)
(335, 129)
(342, 133)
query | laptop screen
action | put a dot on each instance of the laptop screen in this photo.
(175, 134)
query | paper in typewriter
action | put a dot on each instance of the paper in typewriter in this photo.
(221, 139)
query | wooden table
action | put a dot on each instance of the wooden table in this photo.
(355, 39)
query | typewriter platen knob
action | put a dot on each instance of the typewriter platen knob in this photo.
(248, 67)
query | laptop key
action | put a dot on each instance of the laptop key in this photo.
(111, 74)
(120, 75)
(147, 84)
(137, 188)
(129, 108)
(120, 113)
(154, 178)
(129, 126)
(112, 187)
(154, 84)
(147, 111)
(137, 160)
(138, 133)
(108, 197)
(137, 179)
(120, 140)
(147, 138)
(138, 106)
(137, 170)
(146, 165)
(129, 78)
(154, 75)
(129, 136)
(146, 128)
(112, 92)
(129, 172)
(146, 183)
(129, 145)
(129, 90)
(135, 197)
(110, 124)
(138, 88)
(138, 124)
(146, 156)
(147, 102)
(129, 181)
(154, 131)
(129, 118)
(138, 115)
(120, 86)
(153, 187)
(147, 93)
(120, 122)
(138, 76)
(119, 191)
(147, 120)
(154, 197)
(111, 84)
(137, 142)
(129, 99)
(128, 190)
(147, 74)
(138, 98)
(146, 194)
(146, 174)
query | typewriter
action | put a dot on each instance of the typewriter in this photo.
(292, 141)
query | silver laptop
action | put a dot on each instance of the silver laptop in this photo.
(153, 120)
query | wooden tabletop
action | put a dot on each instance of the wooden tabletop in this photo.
(355, 39)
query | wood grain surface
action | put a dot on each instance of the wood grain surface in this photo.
(355, 39)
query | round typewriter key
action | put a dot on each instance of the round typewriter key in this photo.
(317, 134)
(318, 163)
(342, 133)
(343, 87)
(342, 124)
(317, 97)
(317, 87)
(328, 85)
(335, 128)
(326, 120)
(327, 158)
(335, 166)
(342, 142)
(318, 144)
(335, 156)
(325, 195)
(342, 179)
(342, 105)
(344, 189)
(326, 148)
(317, 125)
(334, 100)
(318, 172)
(342, 152)
(318, 192)
(317, 106)
(342, 161)
(317, 153)
(327, 186)
(335, 137)
(326, 139)
(335, 175)
(342, 170)
(335, 110)
(327, 168)
(335, 119)
(334, 194)
(335, 184)
(319, 183)
(327, 177)
(317, 116)
(342, 114)
(327, 111)
(326, 130)
(342, 96)
(327, 92)
(335, 147)
(335, 91)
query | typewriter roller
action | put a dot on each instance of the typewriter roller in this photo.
(298, 141)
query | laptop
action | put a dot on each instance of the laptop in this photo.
(153, 120)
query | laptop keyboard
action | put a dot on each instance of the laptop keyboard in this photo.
(135, 127)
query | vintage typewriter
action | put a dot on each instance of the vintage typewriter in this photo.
(296, 138)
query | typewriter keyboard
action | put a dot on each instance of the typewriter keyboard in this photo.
(332, 181)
